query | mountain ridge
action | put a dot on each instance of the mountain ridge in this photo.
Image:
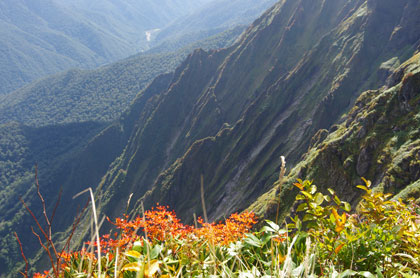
(265, 104)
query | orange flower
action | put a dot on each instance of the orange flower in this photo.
(299, 185)
(340, 221)
(160, 224)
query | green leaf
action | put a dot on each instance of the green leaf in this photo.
(298, 224)
(137, 246)
(302, 207)
(347, 272)
(308, 195)
(332, 192)
(347, 206)
(253, 241)
(313, 189)
(136, 267)
(319, 198)
(313, 205)
(300, 197)
(273, 225)
(367, 274)
(308, 217)
(337, 200)
(154, 253)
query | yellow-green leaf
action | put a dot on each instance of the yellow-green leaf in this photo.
(347, 206)
(151, 268)
(302, 207)
(136, 267)
(319, 198)
(133, 254)
(367, 182)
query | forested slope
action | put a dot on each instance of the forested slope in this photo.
(100, 94)
(40, 38)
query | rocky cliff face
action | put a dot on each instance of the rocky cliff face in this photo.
(378, 139)
(229, 114)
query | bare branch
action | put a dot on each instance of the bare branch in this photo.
(25, 274)
(44, 211)
(46, 250)
(56, 205)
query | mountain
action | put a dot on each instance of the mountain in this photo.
(214, 15)
(100, 94)
(295, 71)
(60, 124)
(227, 115)
(45, 37)
(378, 140)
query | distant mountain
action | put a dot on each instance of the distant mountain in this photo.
(215, 15)
(45, 37)
(101, 94)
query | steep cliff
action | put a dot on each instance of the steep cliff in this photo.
(379, 139)
(229, 114)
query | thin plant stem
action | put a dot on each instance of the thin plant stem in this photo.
(203, 203)
(280, 184)
(95, 218)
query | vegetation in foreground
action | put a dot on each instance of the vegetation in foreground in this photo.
(380, 238)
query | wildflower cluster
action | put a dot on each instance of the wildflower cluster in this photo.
(325, 238)
(157, 229)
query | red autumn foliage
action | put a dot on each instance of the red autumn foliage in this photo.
(160, 224)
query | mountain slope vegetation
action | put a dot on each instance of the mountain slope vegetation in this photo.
(296, 70)
(214, 15)
(40, 38)
(378, 140)
(100, 94)
(57, 131)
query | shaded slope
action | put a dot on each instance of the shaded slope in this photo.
(53, 148)
(70, 157)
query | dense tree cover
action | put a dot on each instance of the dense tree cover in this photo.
(21, 147)
(98, 95)
(46, 37)
(217, 14)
